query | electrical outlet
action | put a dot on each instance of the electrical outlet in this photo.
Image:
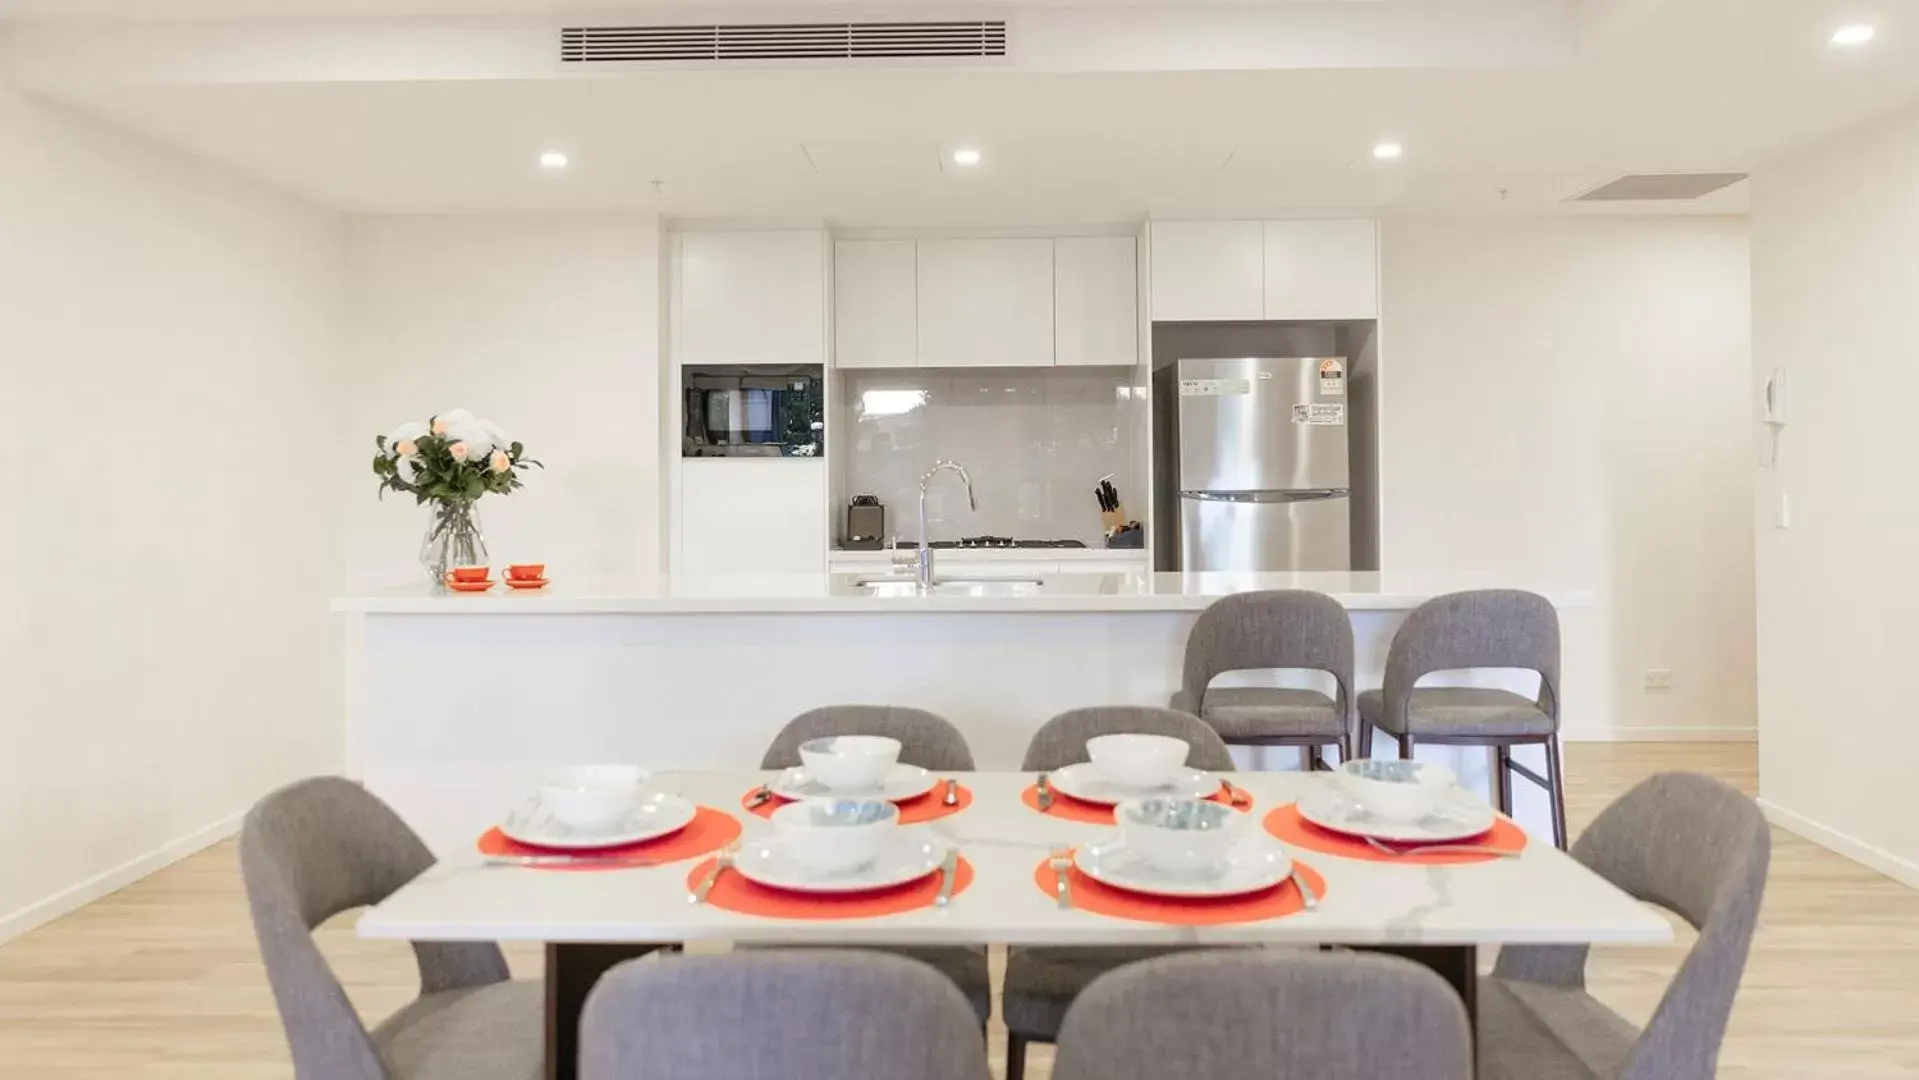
(1659, 679)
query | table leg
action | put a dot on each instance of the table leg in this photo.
(571, 971)
(1457, 964)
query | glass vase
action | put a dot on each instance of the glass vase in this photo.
(452, 539)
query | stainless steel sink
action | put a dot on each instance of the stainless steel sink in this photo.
(986, 586)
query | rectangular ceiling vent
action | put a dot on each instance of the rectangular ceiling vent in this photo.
(782, 41)
(1660, 187)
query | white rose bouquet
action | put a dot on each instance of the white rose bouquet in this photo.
(450, 461)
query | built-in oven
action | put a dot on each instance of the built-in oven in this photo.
(753, 411)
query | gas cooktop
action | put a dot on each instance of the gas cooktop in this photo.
(1002, 542)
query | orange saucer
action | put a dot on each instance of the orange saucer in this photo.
(470, 586)
(523, 583)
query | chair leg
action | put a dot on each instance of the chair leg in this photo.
(1555, 779)
(1503, 779)
(1015, 1056)
(1305, 759)
(1406, 747)
(1365, 739)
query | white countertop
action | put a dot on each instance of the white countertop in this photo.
(843, 593)
(1541, 897)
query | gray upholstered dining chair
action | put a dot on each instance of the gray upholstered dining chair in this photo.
(1246, 1013)
(1041, 982)
(930, 742)
(1687, 843)
(1478, 630)
(322, 846)
(926, 740)
(800, 1014)
(1287, 630)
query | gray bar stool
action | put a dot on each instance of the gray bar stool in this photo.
(1486, 628)
(1291, 630)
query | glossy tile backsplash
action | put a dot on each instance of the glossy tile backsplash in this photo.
(1035, 441)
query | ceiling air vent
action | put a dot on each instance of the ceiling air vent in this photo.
(781, 41)
(1660, 187)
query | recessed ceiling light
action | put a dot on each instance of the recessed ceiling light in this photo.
(966, 156)
(553, 159)
(1857, 34)
(1388, 151)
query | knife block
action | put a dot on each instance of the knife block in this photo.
(1114, 520)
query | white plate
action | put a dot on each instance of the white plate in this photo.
(652, 817)
(908, 855)
(1459, 816)
(902, 782)
(1254, 862)
(1083, 782)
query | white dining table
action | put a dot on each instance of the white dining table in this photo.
(591, 918)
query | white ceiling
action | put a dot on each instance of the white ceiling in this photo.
(1708, 85)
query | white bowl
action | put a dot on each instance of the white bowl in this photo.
(592, 796)
(1137, 760)
(850, 762)
(1179, 836)
(1395, 790)
(832, 836)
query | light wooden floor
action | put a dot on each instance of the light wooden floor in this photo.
(161, 980)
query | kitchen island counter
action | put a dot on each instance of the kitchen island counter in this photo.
(700, 673)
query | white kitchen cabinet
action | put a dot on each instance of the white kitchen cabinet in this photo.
(985, 303)
(1320, 270)
(1208, 271)
(875, 304)
(751, 516)
(751, 298)
(1095, 301)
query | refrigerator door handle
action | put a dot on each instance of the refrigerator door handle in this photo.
(1304, 495)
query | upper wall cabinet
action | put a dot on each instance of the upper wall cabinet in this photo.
(1095, 300)
(1321, 270)
(1208, 271)
(752, 298)
(1205, 271)
(985, 302)
(875, 300)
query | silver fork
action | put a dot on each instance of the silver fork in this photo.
(952, 793)
(722, 863)
(1438, 849)
(761, 796)
(1061, 860)
(1045, 793)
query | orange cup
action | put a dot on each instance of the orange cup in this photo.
(471, 573)
(526, 571)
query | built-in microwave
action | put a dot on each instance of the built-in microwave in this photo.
(753, 411)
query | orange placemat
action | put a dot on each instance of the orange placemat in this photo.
(1090, 895)
(1092, 813)
(1285, 823)
(734, 893)
(927, 807)
(709, 831)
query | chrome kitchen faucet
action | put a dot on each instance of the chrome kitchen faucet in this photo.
(926, 550)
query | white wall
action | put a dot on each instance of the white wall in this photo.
(550, 327)
(169, 536)
(1566, 399)
(1836, 303)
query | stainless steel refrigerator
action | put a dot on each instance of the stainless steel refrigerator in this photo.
(1259, 475)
